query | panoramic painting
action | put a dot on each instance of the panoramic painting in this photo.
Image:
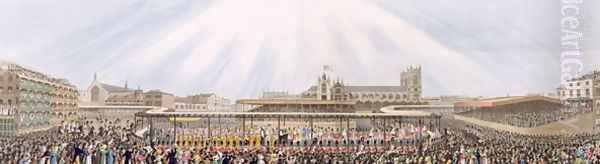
(299, 82)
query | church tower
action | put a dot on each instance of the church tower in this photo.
(325, 83)
(410, 79)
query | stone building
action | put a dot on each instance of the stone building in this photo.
(407, 92)
(190, 103)
(31, 100)
(206, 102)
(333, 95)
(98, 93)
(581, 91)
(159, 99)
(135, 98)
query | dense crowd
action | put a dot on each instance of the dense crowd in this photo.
(69, 142)
(106, 141)
(533, 119)
(505, 147)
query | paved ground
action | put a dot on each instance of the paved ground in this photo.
(582, 123)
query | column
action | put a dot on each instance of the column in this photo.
(174, 129)
(279, 130)
(151, 132)
(347, 132)
(311, 130)
(243, 126)
(384, 130)
(209, 129)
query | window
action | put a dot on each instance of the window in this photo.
(571, 93)
(578, 84)
(578, 93)
(587, 83)
(587, 92)
(9, 89)
(570, 84)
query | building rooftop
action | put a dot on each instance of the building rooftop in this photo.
(159, 92)
(113, 88)
(498, 101)
(369, 88)
(396, 114)
(591, 75)
(299, 101)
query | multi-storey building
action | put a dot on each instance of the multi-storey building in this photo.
(135, 98)
(29, 100)
(190, 103)
(159, 98)
(207, 102)
(581, 91)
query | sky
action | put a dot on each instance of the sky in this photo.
(239, 48)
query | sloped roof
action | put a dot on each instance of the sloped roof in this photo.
(396, 114)
(375, 88)
(498, 101)
(205, 94)
(159, 92)
(112, 88)
(299, 101)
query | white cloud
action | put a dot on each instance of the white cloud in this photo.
(238, 48)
